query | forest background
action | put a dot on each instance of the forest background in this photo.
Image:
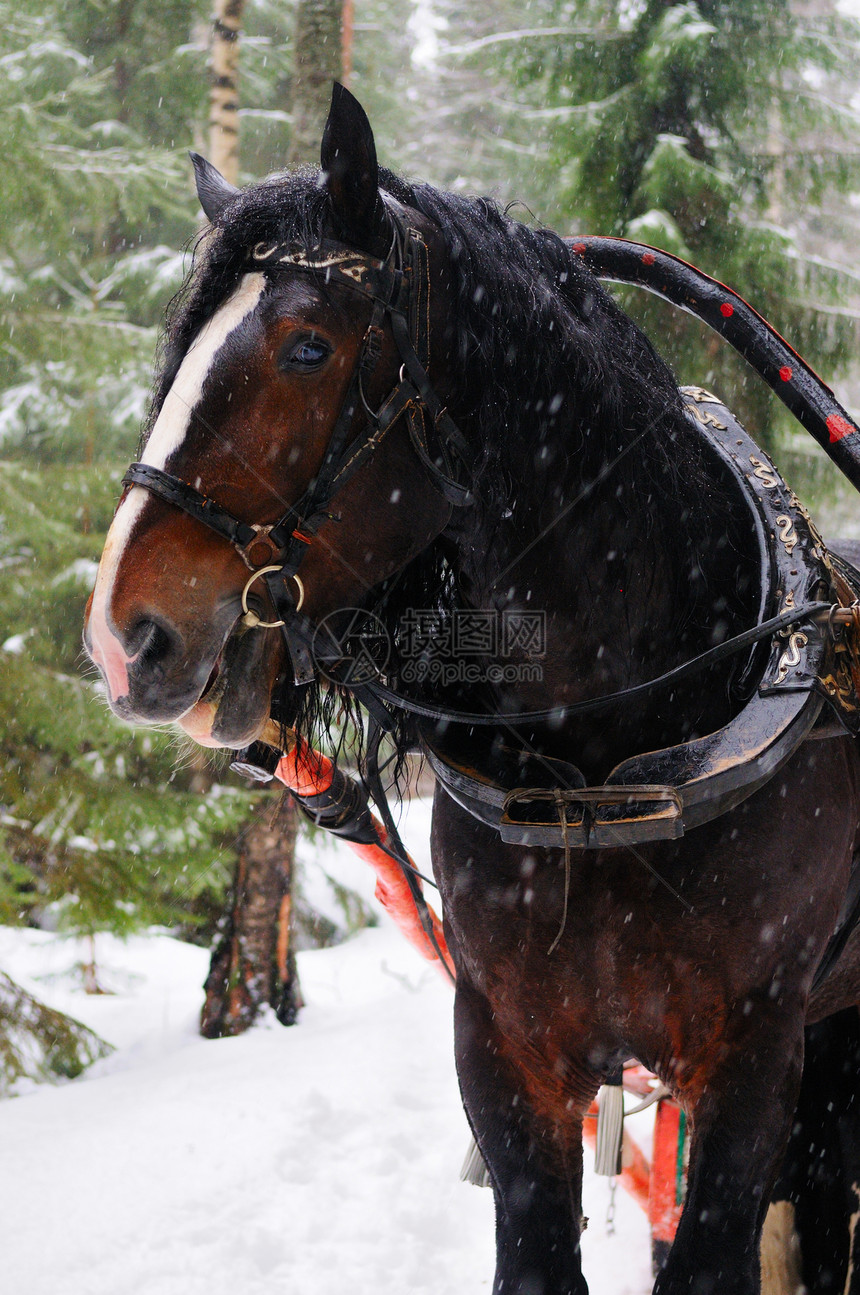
(725, 131)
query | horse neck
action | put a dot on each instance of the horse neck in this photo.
(604, 577)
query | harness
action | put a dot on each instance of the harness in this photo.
(659, 795)
(654, 796)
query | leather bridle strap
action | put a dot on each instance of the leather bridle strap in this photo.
(399, 289)
(173, 490)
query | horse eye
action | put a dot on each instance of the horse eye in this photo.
(305, 354)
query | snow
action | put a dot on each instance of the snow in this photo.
(314, 1159)
(424, 25)
(15, 645)
(82, 571)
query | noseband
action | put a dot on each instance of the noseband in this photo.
(399, 289)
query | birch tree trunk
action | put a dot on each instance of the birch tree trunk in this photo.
(253, 962)
(318, 60)
(224, 92)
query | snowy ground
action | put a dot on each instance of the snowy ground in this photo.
(315, 1160)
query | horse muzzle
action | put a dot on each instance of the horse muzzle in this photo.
(216, 689)
(146, 672)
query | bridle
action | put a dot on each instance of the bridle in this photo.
(399, 290)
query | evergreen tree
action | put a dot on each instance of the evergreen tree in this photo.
(39, 1044)
(90, 249)
(101, 827)
(706, 128)
(94, 219)
(90, 839)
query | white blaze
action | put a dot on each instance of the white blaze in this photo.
(167, 435)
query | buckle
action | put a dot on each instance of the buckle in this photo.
(586, 817)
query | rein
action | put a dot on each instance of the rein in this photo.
(748, 638)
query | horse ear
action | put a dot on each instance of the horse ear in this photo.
(350, 170)
(213, 190)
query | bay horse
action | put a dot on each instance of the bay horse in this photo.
(523, 450)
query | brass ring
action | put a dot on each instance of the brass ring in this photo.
(267, 625)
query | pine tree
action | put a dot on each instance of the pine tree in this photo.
(95, 218)
(89, 839)
(706, 128)
(89, 249)
(39, 1044)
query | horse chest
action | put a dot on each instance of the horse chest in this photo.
(617, 979)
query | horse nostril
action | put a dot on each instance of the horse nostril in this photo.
(152, 644)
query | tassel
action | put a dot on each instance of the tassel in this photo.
(610, 1127)
(475, 1167)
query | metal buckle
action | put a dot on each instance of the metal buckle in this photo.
(592, 825)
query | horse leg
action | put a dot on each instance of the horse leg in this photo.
(814, 1221)
(536, 1177)
(741, 1115)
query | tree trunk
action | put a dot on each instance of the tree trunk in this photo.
(347, 40)
(253, 963)
(318, 61)
(224, 92)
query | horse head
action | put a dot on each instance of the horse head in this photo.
(280, 347)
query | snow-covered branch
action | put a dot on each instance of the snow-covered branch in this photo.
(531, 33)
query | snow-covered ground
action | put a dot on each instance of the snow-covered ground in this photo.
(317, 1160)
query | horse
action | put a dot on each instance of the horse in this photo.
(509, 457)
